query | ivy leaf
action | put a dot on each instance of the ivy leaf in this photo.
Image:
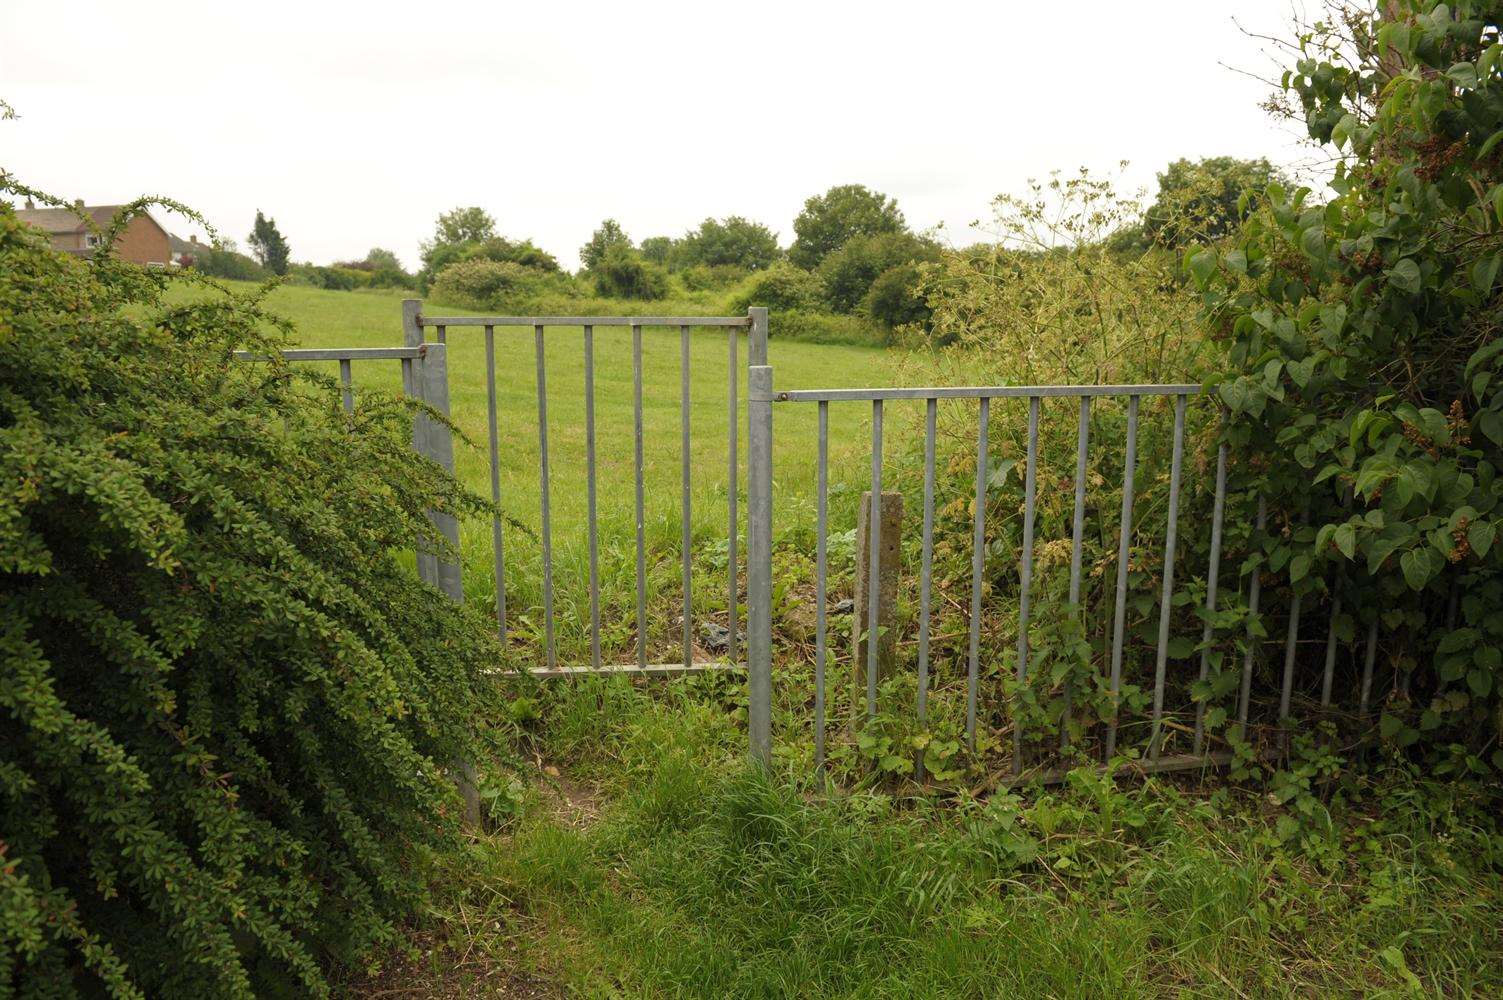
(1405, 276)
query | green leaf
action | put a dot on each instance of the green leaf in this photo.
(1389, 725)
(1416, 566)
(1180, 648)
(1299, 568)
(1464, 75)
(1480, 535)
(1480, 681)
(1405, 276)
(1485, 271)
(1346, 540)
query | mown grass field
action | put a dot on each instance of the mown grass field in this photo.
(373, 319)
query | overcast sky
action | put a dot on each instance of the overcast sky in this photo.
(354, 125)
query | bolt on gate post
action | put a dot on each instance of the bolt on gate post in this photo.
(431, 439)
(759, 540)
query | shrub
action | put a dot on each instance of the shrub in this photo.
(702, 278)
(485, 284)
(227, 264)
(338, 279)
(896, 298)
(848, 273)
(782, 288)
(225, 703)
(732, 241)
(1365, 371)
(830, 220)
(622, 273)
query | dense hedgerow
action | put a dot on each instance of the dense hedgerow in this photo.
(226, 704)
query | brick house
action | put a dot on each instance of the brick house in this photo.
(144, 241)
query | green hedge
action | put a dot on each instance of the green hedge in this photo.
(226, 703)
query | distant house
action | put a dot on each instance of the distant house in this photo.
(187, 252)
(143, 240)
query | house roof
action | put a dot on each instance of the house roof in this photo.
(66, 220)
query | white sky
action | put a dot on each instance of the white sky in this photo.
(354, 125)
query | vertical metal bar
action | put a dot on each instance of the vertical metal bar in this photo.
(1244, 698)
(1213, 575)
(590, 495)
(874, 563)
(1124, 549)
(636, 388)
(497, 542)
(433, 371)
(1077, 543)
(759, 542)
(1025, 569)
(347, 385)
(1166, 598)
(443, 336)
(821, 530)
(687, 539)
(542, 381)
(926, 567)
(1330, 673)
(413, 379)
(978, 565)
(1367, 664)
(1291, 637)
(730, 535)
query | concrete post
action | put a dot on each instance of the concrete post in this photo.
(890, 536)
(759, 542)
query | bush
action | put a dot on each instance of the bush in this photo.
(782, 288)
(896, 298)
(337, 279)
(228, 264)
(703, 278)
(485, 284)
(849, 272)
(732, 241)
(226, 705)
(622, 273)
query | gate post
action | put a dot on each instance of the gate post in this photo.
(433, 440)
(759, 540)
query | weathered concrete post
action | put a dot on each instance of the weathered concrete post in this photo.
(889, 554)
(759, 402)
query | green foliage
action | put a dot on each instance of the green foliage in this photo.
(781, 288)
(381, 269)
(268, 244)
(461, 225)
(1366, 350)
(226, 263)
(622, 273)
(480, 283)
(702, 278)
(849, 272)
(1201, 201)
(608, 237)
(828, 221)
(658, 249)
(731, 241)
(226, 705)
(896, 297)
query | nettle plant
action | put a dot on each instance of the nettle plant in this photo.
(1365, 354)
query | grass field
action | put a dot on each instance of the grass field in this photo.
(373, 319)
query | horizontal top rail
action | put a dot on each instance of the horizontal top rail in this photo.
(424, 320)
(985, 392)
(336, 354)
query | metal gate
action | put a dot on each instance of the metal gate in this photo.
(427, 370)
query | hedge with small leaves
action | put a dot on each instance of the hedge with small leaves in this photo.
(227, 706)
(1366, 337)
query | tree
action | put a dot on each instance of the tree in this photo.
(268, 245)
(829, 220)
(658, 249)
(622, 273)
(848, 273)
(608, 237)
(1205, 200)
(1365, 357)
(463, 225)
(378, 258)
(733, 241)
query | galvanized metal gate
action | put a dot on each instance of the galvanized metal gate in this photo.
(426, 374)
